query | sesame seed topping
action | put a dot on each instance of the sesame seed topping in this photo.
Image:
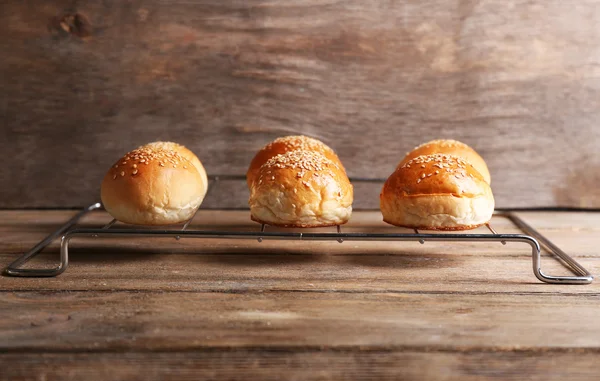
(122, 173)
(135, 166)
(114, 177)
(304, 160)
(300, 142)
(135, 171)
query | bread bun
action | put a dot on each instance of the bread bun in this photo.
(288, 144)
(451, 147)
(301, 189)
(151, 186)
(437, 192)
(186, 153)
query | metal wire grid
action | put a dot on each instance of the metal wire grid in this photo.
(531, 237)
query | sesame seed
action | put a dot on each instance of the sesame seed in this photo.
(135, 166)
(114, 177)
(122, 173)
(135, 171)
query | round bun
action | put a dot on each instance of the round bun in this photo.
(288, 144)
(451, 147)
(437, 192)
(186, 153)
(151, 186)
(301, 189)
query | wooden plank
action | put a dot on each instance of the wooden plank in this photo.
(85, 82)
(252, 273)
(119, 321)
(305, 365)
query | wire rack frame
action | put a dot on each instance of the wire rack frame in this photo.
(531, 237)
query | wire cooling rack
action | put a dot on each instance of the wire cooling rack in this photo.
(530, 237)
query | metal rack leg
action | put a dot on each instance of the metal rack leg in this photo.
(14, 268)
(583, 276)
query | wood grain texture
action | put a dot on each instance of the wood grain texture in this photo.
(302, 365)
(183, 321)
(135, 310)
(83, 82)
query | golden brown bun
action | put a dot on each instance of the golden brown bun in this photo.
(301, 189)
(185, 152)
(150, 186)
(436, 192)
(288, 144)
(451, 147)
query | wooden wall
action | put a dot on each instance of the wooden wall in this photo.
(82, 82)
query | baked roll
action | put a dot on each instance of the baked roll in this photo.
(451, 147)
(152, 186)
(437, 192)
(301, 189)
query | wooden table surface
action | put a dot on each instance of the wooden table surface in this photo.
(203, 309)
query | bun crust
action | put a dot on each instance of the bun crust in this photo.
(301, 189)
(437, 192)
(186, 153)
(150, 186)
(451, 147)
(288, 144)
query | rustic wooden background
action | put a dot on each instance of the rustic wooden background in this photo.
(82, 82)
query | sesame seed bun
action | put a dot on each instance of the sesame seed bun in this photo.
(451, 147)
(152, 186)
(185, 152)
(288, 144)
(301, 189)
(437, 192)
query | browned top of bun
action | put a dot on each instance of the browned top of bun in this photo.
(288, 144)
(450, 147)
(180, 149)
(435, 175)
